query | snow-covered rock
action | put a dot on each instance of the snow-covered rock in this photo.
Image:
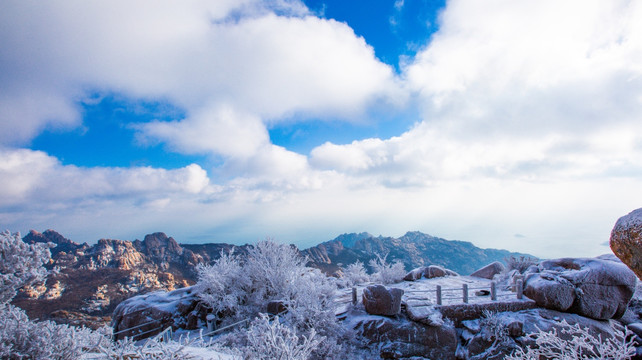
(434, 271)
(401, 338)
(626, 240)
(415, 274)
(497, 336)
(380, 301)
(151, 313)
(596, 288)
(489, 271)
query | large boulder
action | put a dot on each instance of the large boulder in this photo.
(595, 288)
(489, 271)
(380, 301)
(479, 336)
(550, 291)
(399, 338)
(435, 271)
(626, 240)
(146, 315)
(415, 274)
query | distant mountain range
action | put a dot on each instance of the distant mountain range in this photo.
(92, 279)
(414, 249)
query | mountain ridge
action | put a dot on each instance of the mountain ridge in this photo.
(92, 279)
(414, 249)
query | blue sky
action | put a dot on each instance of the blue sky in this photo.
(229, 121)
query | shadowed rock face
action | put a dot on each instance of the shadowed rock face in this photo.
(380, 301)
(595, 288)
(626, 240)
(489, 271)
(400, 338)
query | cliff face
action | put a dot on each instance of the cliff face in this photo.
(91, 280)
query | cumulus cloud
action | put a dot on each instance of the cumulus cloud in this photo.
(200, 56)
(35, 178)
(532, 67)
(527, 90)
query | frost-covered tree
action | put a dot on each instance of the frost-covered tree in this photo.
(21, 264)
(272, 340)
(224, 286)
(271, 272)
(21, 338)
(574, 342)
(385, 272)
(354, 274)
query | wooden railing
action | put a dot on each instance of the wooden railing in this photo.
(517, 290)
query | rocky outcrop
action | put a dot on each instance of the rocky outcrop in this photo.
(489, 271)
(415, 274)
(50, 236)
(626, 240)
(399, 338)
(120, 254)
(381, 301)
(434, 271)
(595, 288)
(94, 279)
(429, 272)
(147, 315)
(479, 339)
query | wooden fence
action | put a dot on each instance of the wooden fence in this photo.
(439, 291)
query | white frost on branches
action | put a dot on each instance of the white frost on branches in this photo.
(354, 274)
(386, 273)
(21, 264)
(272, 340)
(223, 285)
(575, 343)
(238, 289)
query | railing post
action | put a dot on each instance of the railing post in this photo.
(465, 293)
(210, 322)
(438, 294)
(493, 291)
(354, 296)
(520, 289)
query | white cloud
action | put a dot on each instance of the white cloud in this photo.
(198, 55)
(532, 67)
(531, 122)
(33, 178)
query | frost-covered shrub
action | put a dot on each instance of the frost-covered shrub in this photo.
(574, 343)
(354, 274)
(224, 286)
(386, 273)
(21, 338)
(272, 272)
(149, 349)
(272, 340)
(520, 263)
(21, 264)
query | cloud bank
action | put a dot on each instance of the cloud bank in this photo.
(529, 122)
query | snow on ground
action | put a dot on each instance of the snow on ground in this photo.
(190, 352)
(201, 353)
(422, 292)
